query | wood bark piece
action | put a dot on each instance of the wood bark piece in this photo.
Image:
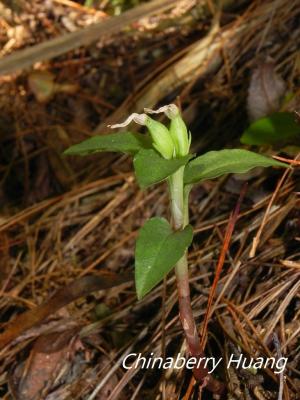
(83, 37)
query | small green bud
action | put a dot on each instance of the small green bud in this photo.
(162, 140)
(178, 131)
(161, 137)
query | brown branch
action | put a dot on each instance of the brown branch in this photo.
(79, 288)
(83, 37)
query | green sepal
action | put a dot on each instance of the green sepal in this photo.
(162, 140)
(179, 134)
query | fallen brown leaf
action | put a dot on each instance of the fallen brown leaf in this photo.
(79, 288)
(265, 91)
(50, 355)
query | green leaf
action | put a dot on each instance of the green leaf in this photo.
(125, 142)
(278, 128)
(157, 251)
(152, 168)
(217, 163)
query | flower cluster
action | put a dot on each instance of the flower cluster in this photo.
(170, 143)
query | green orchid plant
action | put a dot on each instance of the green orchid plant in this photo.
(164, 155)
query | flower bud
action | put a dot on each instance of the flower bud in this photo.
(162, 140)
(178, 131)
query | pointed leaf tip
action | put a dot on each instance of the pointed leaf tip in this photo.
(216, 163)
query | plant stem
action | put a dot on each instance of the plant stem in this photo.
(180, 218)
(179, 221)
